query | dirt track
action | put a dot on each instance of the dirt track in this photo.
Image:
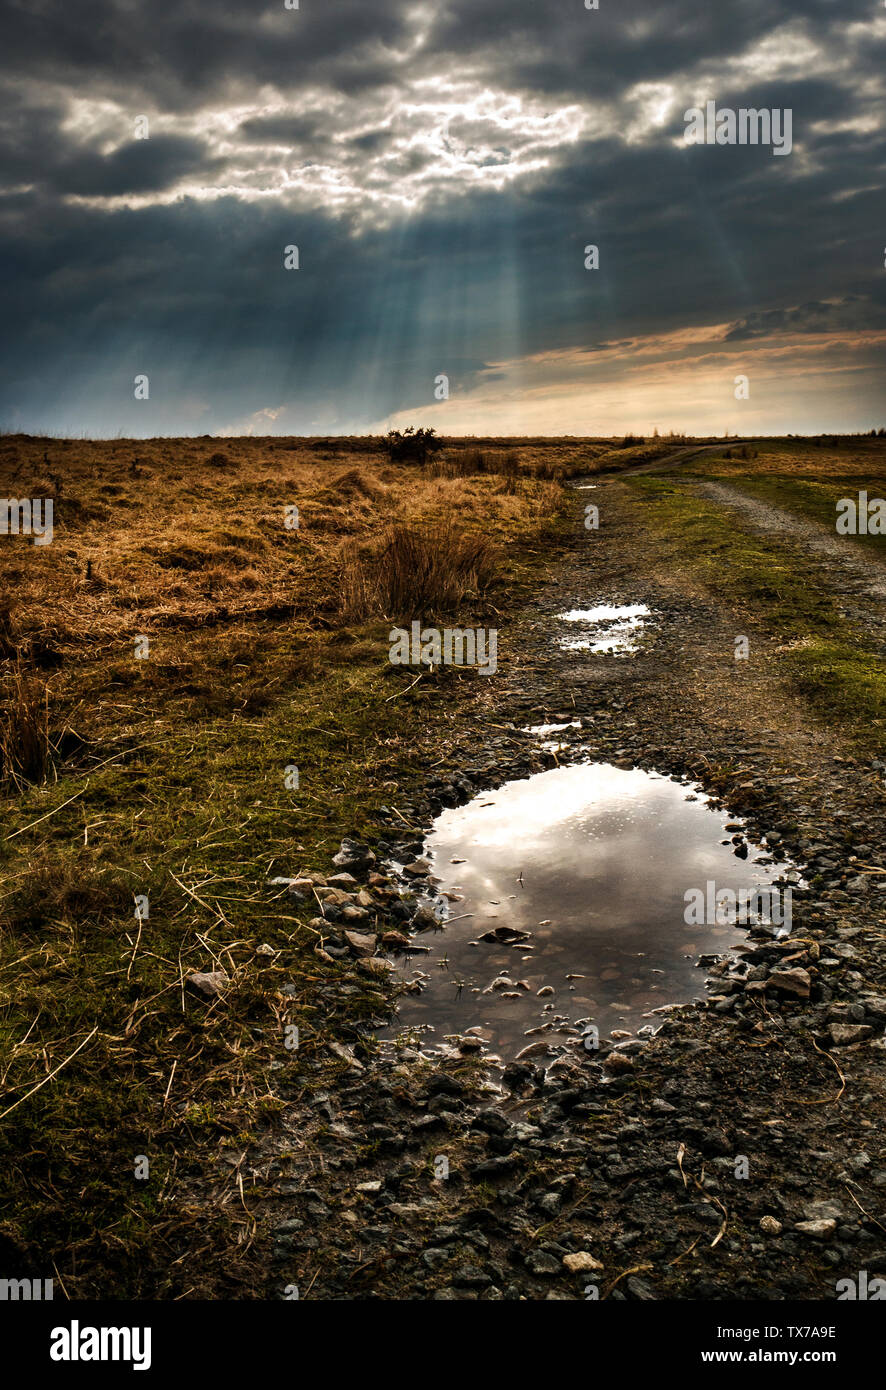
(848, 567)
(623, 1179)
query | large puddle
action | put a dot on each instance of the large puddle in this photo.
(611, 628)
(564, 899)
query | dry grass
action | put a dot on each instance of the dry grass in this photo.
(58, 893)
(415, 572)
(465, 463)
(8, 642)
(174, 538)
(185, 541)
(170, 785)
(24, 726)
(185, 533)
(820, 456)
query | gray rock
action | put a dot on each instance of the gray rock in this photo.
(424, 918)
(796, 982)
(824, 1211)
(354, 857)
(641, 1288)
(208, 984)
(845, 1034)
(470, 1277)
(818, 1230)
(617, 1064)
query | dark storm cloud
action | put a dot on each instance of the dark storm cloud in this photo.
(564, 51)
(372, 141)
(143, 166)
(370, 136)
(284, 130)
(176, 51)
(34, 148)
(854, 312)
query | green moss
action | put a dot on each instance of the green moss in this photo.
(847, 680)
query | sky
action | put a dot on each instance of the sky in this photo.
(441, 169)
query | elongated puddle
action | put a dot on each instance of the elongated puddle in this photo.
(604, 628)
(593, 864)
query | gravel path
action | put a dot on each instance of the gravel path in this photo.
(850, 568)
(738, 1153)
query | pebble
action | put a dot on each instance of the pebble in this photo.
(819, 1230)
(362, 943)
(207, 983)
(581, 1262)
(845, 1034)
(796, 982)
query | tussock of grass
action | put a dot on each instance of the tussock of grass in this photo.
(465, 463)
(24, 726)
(416, 572)
(53, 892)
(355, 482)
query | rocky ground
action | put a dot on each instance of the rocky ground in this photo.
(739, 1152)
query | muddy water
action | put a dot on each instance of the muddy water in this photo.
(593, 862)
(604, 628)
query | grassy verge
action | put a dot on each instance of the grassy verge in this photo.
(821, 654)
(857, 458)
(816, 498)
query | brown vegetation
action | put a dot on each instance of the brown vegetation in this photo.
(24, 725)
(416, 572)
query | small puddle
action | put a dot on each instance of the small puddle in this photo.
(580, 875)
(607, 628)
(544, 731)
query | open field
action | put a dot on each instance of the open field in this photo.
(158, 771)
(173, 768)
